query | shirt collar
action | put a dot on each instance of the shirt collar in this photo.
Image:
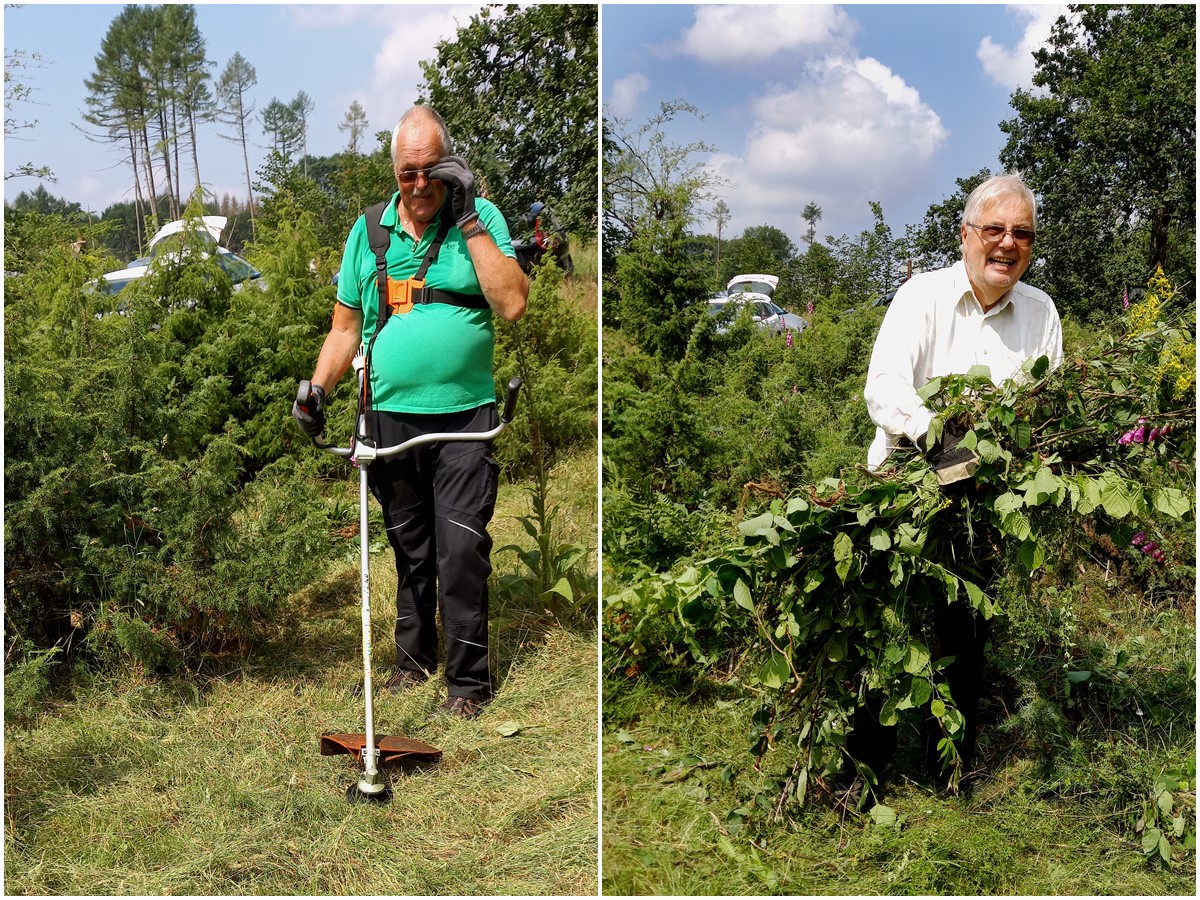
(391, 216)
(965, 293)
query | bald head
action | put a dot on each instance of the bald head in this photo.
(421, 119)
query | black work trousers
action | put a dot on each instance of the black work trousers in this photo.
(959, 632)
(437, 502)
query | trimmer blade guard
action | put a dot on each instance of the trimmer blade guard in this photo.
(391, 749)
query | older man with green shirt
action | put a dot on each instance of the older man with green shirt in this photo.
(431, 370)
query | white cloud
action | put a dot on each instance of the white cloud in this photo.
(622, 100)
(732, 34)
(396, 72)
(1013, 67)
(326, 15)
(850, 131)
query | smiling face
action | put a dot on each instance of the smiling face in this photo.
(994, 266)
(419, 146)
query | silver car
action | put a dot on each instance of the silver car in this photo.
(169, 241)
(764, 312)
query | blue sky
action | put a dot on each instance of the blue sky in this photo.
(838, 105)
(334, 53)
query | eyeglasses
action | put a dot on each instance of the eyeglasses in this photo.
(410, 176)
(993, 234)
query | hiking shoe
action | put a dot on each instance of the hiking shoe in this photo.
(403, 680)
(457, 708)
(847, 795)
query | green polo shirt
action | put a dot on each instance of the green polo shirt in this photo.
(436, 358)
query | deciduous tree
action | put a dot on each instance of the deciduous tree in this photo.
(1107, 139)
(518, 89)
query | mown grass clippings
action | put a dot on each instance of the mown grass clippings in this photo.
(213, 785)
(1018, 833)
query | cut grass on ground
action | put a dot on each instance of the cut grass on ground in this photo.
(213, 784)
(670, 824)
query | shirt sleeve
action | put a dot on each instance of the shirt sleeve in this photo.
(349, 289)
(494, 222)
(890, 392)
(1054, 343)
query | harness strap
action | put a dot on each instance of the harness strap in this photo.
(380, 241)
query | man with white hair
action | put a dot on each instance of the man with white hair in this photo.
(976, 312)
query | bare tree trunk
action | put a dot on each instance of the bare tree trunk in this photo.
(165, 142)
(249, 187)
(195, 155)
(148, 162)
(175, 152)
(138, 200)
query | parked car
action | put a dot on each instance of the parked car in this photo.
(169, 240)
(758, 284)
(763, 311)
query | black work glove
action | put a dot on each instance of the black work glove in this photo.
(452, 171)
(950, 462)
(309, 409)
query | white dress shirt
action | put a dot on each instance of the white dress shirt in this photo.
(935, 326)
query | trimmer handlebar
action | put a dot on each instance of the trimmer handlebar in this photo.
(365, 452)
(510, 402)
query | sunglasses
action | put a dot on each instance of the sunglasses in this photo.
(1023, 237)
(410, 176)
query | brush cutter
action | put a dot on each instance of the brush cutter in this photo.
(371, 751)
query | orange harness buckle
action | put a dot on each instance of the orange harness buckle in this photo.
(400, 294)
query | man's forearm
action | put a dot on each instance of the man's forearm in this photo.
(341, 344)
(504, 285)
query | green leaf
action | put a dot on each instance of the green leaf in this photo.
(835, 648)
(735, 821)
(1164, 849)
(1150, 838)
(843, 555)
(930, 389)
(1117, 496)
(938, 708)
(990, 452)
(979, 600)
(1031, 555)
(1165, 804)
(880, 539)
(882, 815)
(796, 504)
(758, 526)
(1172, 502)
(624, 737)
(1045, 488)
(775, 672)
(887, 713)
(910, 539)
(562, 587)
(813, 580)
(741, 595)
(920, 692)
(916, 658)
(508, 729)
(843, 546)
(1022, 435)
